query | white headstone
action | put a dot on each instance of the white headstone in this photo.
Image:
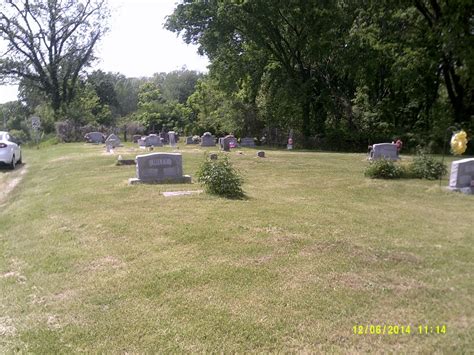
(172, 138)
(462, 175)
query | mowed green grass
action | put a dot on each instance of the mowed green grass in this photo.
(91, 264)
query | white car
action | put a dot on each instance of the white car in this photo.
(10, 151)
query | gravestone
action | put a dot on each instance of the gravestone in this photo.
(160, 168)
(227, 142)
(153, 140)
(136, 137)
(462, 176)
(172, 139)
(261, 154)
(112, 141)
(208, 140)
(164, 137)
(247, 142)
(121, 161)
(142, 142)
(189, 140)
(384, 151)
(94, 137)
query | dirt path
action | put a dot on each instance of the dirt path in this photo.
(8, 181)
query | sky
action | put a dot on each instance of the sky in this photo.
(137, 44)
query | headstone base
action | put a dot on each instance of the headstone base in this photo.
(185, 179)
(464, 190)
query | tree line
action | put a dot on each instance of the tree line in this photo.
(335, 74)
(340, 72)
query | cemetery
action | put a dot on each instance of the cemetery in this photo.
(275, 177)
(156, 256)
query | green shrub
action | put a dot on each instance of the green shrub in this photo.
(425, 167)
(21, 135)
(220, 178)
(384, 169)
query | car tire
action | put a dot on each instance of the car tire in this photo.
(13, 163)
(20, 161)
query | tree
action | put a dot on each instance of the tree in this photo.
(150, 107)
(177, 85)
(50, 42)
(295, 38)
(450, 25)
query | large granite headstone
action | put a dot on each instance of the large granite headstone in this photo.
(153, 140)
(228, 142)
(384, 151)
(94, 137)
(247, 142)
(208, 140)
(160, 168)
(112, 141)
(462, 176)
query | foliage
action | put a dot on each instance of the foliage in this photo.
(426, 167)
(22, 136)
(376, 69)
(49, 43)
(71, 131)
(177, 85)
(150, 107)
(421, 167)
(66, 131)
(220, 178)
(87, 108)
(383, 169)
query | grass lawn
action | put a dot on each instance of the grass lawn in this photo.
(91, 264)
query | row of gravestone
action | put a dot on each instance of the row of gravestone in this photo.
(111, 142)
(155, 140)
(168, 167)
(225, 143)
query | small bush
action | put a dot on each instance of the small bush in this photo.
(425, 167)
(384, 169)
(220, 178)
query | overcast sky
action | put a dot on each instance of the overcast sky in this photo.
(137, 44)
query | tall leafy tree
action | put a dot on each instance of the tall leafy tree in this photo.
(450, 26)
(50, 42)
(296, 38)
